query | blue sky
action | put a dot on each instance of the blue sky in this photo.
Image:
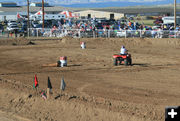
(104, 0)
(137, 2)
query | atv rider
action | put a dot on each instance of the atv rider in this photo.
(123, 50)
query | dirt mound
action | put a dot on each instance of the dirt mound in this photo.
(66, 39)
(16, 41)
(140, 42)
(165, 42)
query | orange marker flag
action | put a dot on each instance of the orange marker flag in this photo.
(35, 82)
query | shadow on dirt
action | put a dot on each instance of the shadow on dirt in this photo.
(140, 64)
(31, 43)
(72, 65)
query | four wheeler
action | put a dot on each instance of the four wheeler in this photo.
(122, 59)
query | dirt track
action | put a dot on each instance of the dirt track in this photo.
(96, 90)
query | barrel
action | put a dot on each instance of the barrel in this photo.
(63, 61)
(83, 45)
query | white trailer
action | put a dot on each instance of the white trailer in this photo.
(11, 16)
(170, 20)
(47, 17)
(8, 17)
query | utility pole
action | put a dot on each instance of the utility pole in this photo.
(43, 15)
(174, 14)
(28, 16)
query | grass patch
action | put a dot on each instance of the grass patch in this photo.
(145, 22)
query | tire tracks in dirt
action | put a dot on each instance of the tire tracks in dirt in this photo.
(112, 69)
(11, 117)
(80, 90)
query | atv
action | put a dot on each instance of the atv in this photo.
(122, 59)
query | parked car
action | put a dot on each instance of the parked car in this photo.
(35, 24)
(12, 27)
(11, 22)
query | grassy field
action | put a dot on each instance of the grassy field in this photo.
(145, 22)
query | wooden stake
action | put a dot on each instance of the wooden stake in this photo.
(48, 91)
(174, 14)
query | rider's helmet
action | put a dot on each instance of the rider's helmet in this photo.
(122, 46)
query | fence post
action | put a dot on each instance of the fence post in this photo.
(125, 33)
(50, 33)
(79, 33)
(37, 33)
(140, 33)
(93, 34)
(109, 33)
(106, 32)
(28, 31)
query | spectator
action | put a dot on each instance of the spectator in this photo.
(53, 30)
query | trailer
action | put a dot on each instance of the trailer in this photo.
(47, 17)
(10, 16)
(170, 20)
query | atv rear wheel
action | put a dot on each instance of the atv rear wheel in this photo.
(115, 61)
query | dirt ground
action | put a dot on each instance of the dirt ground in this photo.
(95, 89)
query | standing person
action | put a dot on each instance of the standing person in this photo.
(15, 32)
(53, 30)
(2, 32)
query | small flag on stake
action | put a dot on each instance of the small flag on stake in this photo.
(63, 84)
(35, 82)
(19, 16)
(43, 95)
(49, 83)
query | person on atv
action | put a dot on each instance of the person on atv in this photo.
(123, 50)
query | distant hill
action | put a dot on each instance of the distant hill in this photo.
(98, 3)
(117, 4)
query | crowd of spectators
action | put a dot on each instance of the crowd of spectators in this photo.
(92, 24)
(85, 25)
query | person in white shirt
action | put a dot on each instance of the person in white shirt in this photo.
(123, 50)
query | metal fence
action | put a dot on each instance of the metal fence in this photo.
(77, 33)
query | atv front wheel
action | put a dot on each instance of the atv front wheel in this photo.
(126, 62)
(130, 61)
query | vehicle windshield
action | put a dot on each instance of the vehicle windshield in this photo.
(13, 26)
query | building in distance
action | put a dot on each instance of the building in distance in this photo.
(8, 4)
(34, 4)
